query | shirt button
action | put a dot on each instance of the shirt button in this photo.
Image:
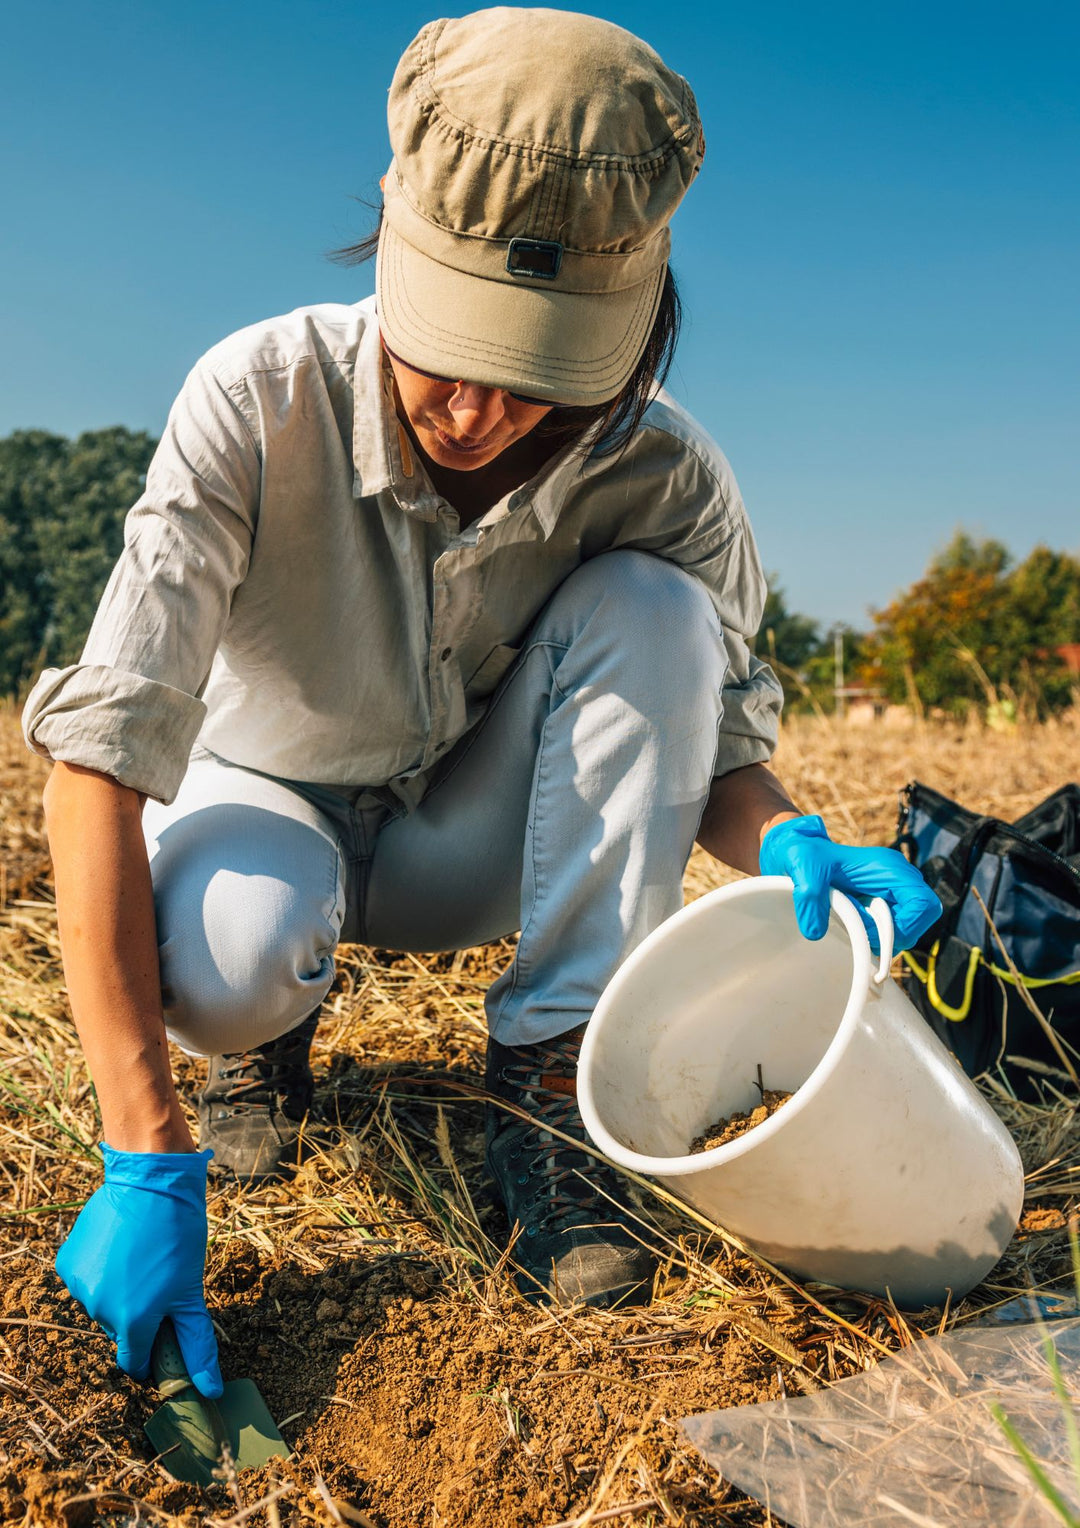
(445, 653)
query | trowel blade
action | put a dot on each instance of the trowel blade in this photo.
(176, 1455)
(253, 1438)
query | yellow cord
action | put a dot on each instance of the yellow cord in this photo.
(928, 977)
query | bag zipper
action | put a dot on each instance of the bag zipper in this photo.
(1015, 833)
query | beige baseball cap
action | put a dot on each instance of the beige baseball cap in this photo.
(538, 158)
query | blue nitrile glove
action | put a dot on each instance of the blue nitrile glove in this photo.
(136, 1253)
(802, 849)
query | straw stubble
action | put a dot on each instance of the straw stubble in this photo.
(370, 1297)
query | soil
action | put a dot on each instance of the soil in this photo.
(369, 1298)
(731, 1127)
(413, 1406)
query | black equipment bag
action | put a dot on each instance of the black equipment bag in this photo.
(1028, 875)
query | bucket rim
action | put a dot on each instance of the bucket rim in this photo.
(689, 1165)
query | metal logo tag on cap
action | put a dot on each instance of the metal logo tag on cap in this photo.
(534, 257)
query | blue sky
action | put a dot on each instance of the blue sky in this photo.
(879, 261)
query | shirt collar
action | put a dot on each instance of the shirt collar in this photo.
(547, 491)
(383, 456)
(372, 472)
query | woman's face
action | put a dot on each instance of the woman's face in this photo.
(462, 425)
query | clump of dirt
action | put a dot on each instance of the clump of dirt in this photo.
(443, 1411)
(1042, 1217)
(729, 1127)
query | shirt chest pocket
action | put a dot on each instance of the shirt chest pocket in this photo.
(487, 676)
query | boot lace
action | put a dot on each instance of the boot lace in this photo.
(270, 1073)
(543, 1076)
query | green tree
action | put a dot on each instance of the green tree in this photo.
(820, 672)
(804, 658)
(27, 461)
(1040, 613)
(922, 638)
(102, 475)
(62, 508)
(972, 626)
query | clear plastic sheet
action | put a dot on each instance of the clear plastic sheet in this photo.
(913, 1441)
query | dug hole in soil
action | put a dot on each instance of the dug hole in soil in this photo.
(413, 1404)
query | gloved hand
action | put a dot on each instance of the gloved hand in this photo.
(136, 1253)
(802, 849)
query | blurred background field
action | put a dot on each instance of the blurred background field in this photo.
(368, 1297)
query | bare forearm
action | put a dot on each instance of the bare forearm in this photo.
(108, 939)
(741, 808)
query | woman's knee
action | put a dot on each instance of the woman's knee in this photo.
(644, 601)
(640, 627)
(243, 968)
(246, 932)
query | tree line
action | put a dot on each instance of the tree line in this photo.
(975, 630)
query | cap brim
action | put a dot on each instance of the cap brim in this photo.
(575, 348)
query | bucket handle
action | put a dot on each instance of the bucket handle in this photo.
(881, 913)
(882, 916)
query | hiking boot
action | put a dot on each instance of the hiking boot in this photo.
(254, 1104)
(573, 1243)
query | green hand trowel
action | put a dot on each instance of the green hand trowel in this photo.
(191, 1433)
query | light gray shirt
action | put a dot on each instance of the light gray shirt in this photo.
(294, 592)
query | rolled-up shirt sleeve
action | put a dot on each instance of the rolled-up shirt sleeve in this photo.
(131, 706)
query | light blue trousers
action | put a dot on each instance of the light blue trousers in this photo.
(568, 813)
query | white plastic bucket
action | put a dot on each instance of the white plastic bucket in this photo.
(886, 1171)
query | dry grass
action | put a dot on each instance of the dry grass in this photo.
(388, 1234)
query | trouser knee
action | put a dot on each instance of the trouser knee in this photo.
(230, 993)
(643, 599)
(642, 627)
(245, 955)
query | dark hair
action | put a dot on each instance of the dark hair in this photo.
(612, 424)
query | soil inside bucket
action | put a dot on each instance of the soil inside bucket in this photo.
(730, 1127)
